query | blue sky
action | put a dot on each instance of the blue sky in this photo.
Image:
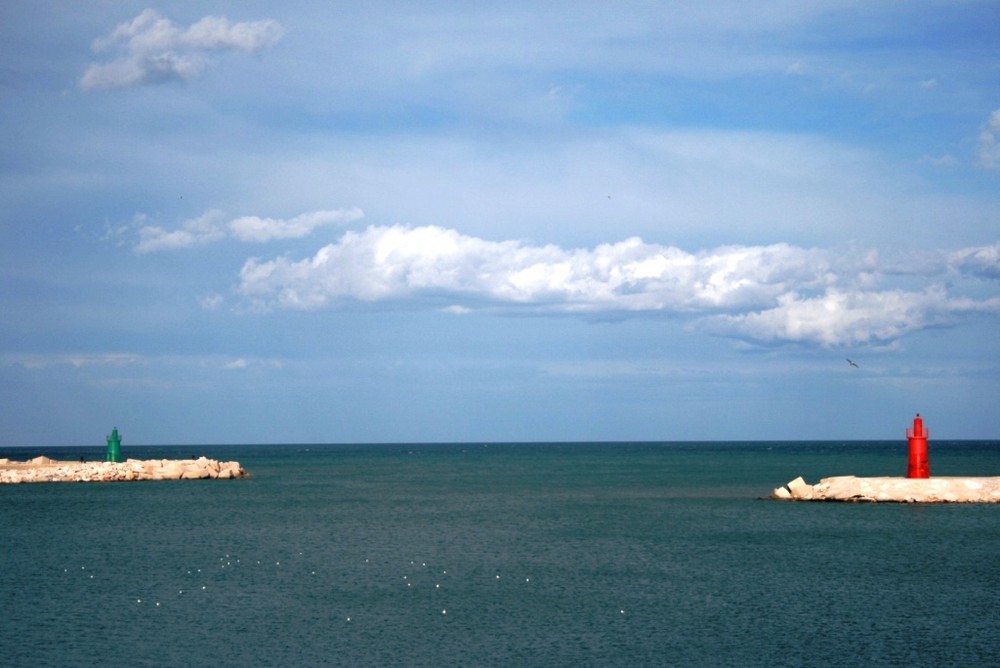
(228, 222)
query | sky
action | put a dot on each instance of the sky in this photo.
(326, 222)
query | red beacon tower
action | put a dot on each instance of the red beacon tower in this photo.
(919, 466)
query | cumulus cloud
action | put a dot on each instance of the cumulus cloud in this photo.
(989, 147)
(396, 262)
(766, 294)
(981, 261)
(840, 318)
(211, 226)
(153, 49)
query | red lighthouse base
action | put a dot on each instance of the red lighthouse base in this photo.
(919, 466)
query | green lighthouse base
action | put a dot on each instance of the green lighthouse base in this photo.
(114, 447)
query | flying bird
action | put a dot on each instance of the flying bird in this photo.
(852, 362)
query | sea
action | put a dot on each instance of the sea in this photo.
(500, 554)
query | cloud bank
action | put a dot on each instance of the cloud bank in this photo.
(765, 294)
(155, 50)
(211, 226)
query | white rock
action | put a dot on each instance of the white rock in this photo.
(781, 493)
(800, 489)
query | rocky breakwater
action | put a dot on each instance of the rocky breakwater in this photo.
(43, 469)
(893, 490)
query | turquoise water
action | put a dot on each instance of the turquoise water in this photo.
(650, 554)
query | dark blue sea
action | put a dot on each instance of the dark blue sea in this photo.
(574, 554)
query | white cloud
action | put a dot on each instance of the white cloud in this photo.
(776, 293)
(210, 227)
(838, 318)
(396, 262)
(211, 302)
(194, 232)
(156, 50)
(216, 32)
(253, 228)
(239, 363)
(76, 360)
(989, 147)
(982, 261)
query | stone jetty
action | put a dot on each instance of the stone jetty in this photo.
(43, 469)
(943, 489)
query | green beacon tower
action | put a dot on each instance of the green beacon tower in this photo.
(114, 447)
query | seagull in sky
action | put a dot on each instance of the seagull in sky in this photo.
(852, 362)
